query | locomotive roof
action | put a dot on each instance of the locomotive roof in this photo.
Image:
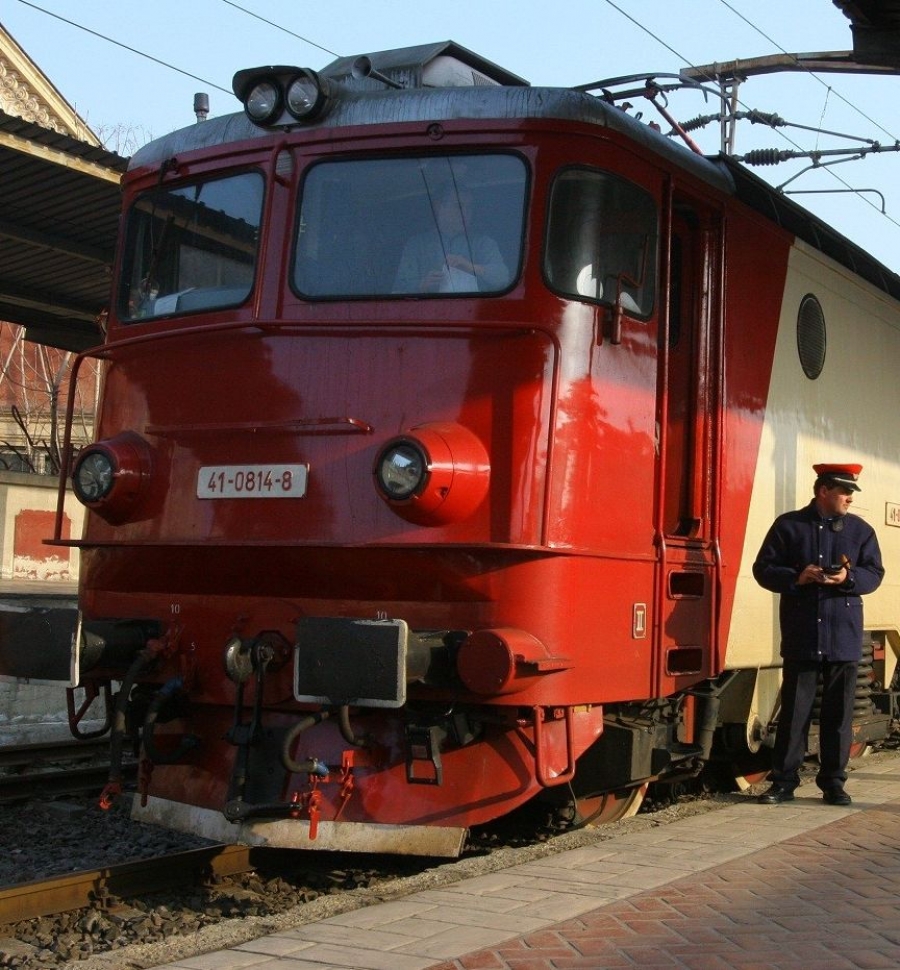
(373, 105)
(497, 94)
(409, 65)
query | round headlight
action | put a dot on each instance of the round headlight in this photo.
(111, 476)
(401, 469)
(305, 96)
(434, 474)
(93, 476)
(263, 103)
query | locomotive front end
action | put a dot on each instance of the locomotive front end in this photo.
(318, 487)
(377, 348)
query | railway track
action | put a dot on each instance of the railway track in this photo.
(54, 769)
(26, 755)
(220, 895)
(60, 894)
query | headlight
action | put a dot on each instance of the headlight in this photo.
(93, 477)
(110, 477)
(263, 102)
(401, 469)
(434, 474)
(305, 96)
(282, 95)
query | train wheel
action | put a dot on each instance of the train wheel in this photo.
(611, 806)
(743, 759)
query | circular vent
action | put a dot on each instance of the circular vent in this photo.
(811, 336)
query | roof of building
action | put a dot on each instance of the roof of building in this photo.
(875, 25)
(59, 209)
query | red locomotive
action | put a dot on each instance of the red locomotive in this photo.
(442, 419)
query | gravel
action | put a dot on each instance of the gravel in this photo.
(51, 838)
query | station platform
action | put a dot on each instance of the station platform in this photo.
(28, 589)
(742, 887)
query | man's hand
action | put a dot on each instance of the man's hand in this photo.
(816, 574)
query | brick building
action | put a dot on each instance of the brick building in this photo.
(34, 387)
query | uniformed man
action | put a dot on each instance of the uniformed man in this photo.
(822, 560)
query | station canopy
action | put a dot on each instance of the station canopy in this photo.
(59, 211)
(875, 25)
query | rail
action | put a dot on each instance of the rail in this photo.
(61, 894)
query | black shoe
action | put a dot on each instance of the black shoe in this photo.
(836, 796)
(775, 795)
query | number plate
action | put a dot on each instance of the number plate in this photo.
(252, 481)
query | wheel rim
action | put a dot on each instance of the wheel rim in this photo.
(611, 806)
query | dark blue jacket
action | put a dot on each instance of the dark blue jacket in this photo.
(819, 622)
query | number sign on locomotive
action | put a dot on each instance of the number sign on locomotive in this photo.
(442, 419)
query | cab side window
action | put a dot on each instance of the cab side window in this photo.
(602, 240)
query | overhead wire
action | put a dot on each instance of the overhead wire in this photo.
(166, 64)
(271, 23)
(832, 90)
(685, 60)
(118, 43)
(611, 3)
(809, 71)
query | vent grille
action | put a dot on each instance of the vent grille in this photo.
(811, 336)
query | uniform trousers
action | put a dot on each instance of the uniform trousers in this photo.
(798, 695)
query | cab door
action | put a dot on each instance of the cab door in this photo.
(686, 524)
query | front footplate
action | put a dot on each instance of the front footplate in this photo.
(429, 840)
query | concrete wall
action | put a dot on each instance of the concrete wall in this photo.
(28, 567)
(27, 516)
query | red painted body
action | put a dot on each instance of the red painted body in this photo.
(596, 574)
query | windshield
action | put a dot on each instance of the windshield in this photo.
(404, 226)
(602, 240)
(191, 248)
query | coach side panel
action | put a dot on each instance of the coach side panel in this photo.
(846, 412)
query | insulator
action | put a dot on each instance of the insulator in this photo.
(763, 156)
(701, 121)
(769, 118)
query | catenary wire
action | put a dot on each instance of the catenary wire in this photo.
(118, 43)
(166, 64)
(614, 5)
(781, 134)
(271, 23)
(809, 71)
(831, 89)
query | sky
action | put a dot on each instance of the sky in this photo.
(198, 45)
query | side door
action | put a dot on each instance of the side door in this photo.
(688, 475)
